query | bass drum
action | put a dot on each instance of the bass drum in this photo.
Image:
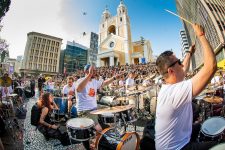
(108, 140)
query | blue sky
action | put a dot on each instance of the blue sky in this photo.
(65, 19)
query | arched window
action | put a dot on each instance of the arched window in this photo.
(112, 29)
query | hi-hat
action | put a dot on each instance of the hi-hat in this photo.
(115, 109)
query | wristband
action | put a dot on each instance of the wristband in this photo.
(201, 34)
(189, 52)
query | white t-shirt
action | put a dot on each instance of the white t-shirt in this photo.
(129, 82)
(86, 99)
(50, 85)
(174, 116)
(67, 89)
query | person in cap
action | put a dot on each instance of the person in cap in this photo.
(86, 95)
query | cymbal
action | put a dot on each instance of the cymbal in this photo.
(213, 99)
(115, 109)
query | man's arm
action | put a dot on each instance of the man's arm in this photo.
(107, 82)
(201, 79)
(186, 61)
(83, 83)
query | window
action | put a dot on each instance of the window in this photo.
(39, 67)
(56, 50)
(42, 47)
(57, 43)
(48, 42)
(52, 48)
(44, 41)
(41, 53)
(38, 46)
(33, 45)
(45, 60)
(55, 55)
(36, 52)
(53, 43)
(121, 19)
(35, 39)
(31, 58)
(39, 40)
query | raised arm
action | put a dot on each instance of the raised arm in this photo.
(186, 61)
(201, 79)
(83, 83)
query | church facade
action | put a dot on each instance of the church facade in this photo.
(115, 43)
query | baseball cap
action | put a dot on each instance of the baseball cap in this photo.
(86, 67)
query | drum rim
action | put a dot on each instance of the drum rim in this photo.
(121, 142)
(84, 128)
(210, 134)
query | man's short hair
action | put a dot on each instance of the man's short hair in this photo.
(163, 62)
(70, 78)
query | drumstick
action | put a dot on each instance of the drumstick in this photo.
(179, 16)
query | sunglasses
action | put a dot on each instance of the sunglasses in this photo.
(174, 63)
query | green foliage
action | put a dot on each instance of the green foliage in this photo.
(4, 7)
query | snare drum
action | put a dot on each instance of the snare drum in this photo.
(108, 140)
(80, 129)
(213, 128)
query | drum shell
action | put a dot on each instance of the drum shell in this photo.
(109, 118)
(81, 134)
(129, 115)
(62, 103)
(108, 141)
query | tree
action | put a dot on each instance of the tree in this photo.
(4, 7)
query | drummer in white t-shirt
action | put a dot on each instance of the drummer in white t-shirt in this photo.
(86, 94)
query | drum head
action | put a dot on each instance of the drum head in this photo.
(80, 123)
(213, 126)
(218, 147)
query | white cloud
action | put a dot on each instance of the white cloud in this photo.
(58, 18)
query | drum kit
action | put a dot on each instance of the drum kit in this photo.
(82, 129)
